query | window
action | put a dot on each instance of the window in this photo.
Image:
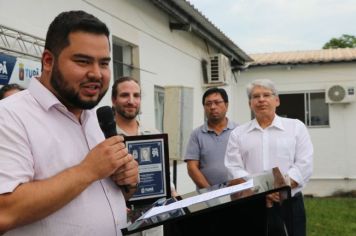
(309, 107)
(159, 107)
(122, 58)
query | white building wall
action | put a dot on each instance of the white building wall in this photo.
(166, 57)
(334, 155)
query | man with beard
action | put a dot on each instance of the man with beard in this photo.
(58, 174)
(270, 141)
(126, 101)
(206, 148)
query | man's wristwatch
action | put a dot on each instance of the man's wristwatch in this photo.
(132, 186)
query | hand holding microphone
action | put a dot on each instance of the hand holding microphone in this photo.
(127, 173)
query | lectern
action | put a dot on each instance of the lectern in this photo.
(220, 212)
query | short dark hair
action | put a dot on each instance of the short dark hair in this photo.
(69, 22)
(220, 91)
(9, 87)
(119, 81)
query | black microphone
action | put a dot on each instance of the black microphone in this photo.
(106, 120)
(107, 124)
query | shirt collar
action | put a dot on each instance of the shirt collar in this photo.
(46, 99)
(276, 123)
(42, 95)
(230, 125)
(122, 132)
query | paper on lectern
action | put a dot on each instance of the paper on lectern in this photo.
(199, 198)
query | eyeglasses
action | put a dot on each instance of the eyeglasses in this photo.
(263, 96)
(216, 103)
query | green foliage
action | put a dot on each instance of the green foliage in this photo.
(331, 216)
(345, 41)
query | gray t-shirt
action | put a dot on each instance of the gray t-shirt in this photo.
(209, 148)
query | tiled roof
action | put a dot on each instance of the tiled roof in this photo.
(304, 57)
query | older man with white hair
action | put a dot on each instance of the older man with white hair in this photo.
(272, 141)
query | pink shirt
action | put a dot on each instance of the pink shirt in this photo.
(40, 138)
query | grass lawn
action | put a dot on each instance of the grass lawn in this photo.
(331, 216)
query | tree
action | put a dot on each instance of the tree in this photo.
(345, 41)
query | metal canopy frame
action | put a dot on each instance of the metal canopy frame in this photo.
(18, 43)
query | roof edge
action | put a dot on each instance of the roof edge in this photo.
(185, 13)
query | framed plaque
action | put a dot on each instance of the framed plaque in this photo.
(151, 153)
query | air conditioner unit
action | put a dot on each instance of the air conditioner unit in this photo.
(219, 69)
(340, 93)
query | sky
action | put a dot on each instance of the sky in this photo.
(260, 26)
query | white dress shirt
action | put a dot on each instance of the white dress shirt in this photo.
(39, 139)
(285, 144)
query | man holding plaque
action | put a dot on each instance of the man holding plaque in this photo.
(58, 175)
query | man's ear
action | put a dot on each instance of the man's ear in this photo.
(278, 102)
(47, 60)
(113, 100)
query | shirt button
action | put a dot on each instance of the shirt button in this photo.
(117, 222)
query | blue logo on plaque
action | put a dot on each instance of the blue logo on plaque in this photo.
(7, 64)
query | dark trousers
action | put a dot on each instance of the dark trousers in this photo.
(279, 215)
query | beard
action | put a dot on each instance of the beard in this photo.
(67, 94)
(217, 118)
(127, 115)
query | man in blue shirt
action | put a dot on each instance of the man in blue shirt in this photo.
(206, 148)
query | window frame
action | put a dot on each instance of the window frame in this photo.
(308, 107)
(159, 92)
(126, 57)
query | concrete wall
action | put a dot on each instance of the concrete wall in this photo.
(335, 158)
